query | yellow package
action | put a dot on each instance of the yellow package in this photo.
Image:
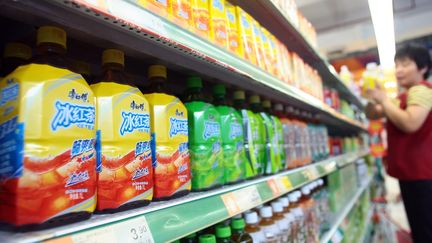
(159, 7)
(274, 54)
(285, 64)
(180, 12)
(201, 18)
(267, 50)
(233, 30)
(257, 36)
(218, 23)
(246, 35)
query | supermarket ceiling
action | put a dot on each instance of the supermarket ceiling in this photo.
(345, 26)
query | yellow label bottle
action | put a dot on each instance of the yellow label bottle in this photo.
(218, 23)
(48, 156)
(123, 124)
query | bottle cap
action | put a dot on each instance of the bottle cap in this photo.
(51, 34)
(157, 71)
(223, 231)
(113, 56)
(266, 212)
(266, 104)
(191, 236)
(277, 207)
(207, 238)
(292, 197)
(18, 50)
(254, 99)
(305, 190)
(298, 194)
(251, 218)
(284, 201)
(278, 107)
(239, 95)
(238, 224)
(194, 82)
(219, 89)
(321, 182)
(82, 67)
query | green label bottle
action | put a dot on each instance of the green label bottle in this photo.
(235, 159)
(205, 139)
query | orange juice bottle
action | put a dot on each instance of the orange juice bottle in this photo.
(159, 7)
(233, 30)
(48, 155)
(218, 23)
(123, 121)
(201, 17)
(246, 35)
(180, 12)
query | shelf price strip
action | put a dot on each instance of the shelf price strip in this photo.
(241, 200)
(134, 230)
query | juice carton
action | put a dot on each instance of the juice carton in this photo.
(159, 7)
(218, 23)
(268, 50)
(180, 13)
(273, 52)
(207, 158)
(251, 136)
(169, 133)
(235, 159)
(246, 35)
(258, 42)
(48, 154)
(201, 17)
(123, 121)
(233, 30)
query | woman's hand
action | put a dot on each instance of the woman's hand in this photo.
(378, 94)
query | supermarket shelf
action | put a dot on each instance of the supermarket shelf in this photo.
(365, 230)
(178, 217)
(144, 35)
(351, 158)
(344, 212)
(268, 14)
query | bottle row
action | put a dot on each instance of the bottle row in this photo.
(232, 28)
(300, 216)
(69, 148)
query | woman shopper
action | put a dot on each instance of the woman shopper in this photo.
(409, 128)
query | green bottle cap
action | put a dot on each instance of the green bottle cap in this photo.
(238, 224)
(223, 231)
(194, 82)
(219, 89)
(208, 238)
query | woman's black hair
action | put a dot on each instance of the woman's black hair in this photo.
(419, 54)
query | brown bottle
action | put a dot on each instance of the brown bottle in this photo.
(268, 225)
(15, 55)
(51, 47)
(281, 221)
(253, 228)
(238, 231)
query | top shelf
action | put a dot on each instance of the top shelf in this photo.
(269, 15)
(145, 36)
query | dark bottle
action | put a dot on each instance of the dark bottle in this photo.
(51, 47)
(192, 238)
(15, 55)
(194, 90)
(157, 76)
(238, 231)
(223, 234)
(207, 238)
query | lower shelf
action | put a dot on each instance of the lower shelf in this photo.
(179, 217)
(337, 220)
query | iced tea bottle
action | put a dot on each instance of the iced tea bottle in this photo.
(253, 228)
(15, 54)
(281, 221)
(238, 231)
(268, 225)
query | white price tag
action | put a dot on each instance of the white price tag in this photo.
(241, 200)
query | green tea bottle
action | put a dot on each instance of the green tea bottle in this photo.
(278, 139)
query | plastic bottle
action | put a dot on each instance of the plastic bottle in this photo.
(192, 238)
(84, 69)
(286, 153)
(235, 159)
(345, 75)
(268, 225)
(289, 216)
(251, 135)
(281, 221)
(207, 238)
(370, 76)
(205, 139)
(53, 180)
(278, 139)
(253, 228)
(169, 128)
(223, 234)
(238, 231)
(125, 175)
(15, 54)
(265, 148)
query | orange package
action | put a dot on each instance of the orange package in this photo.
(259, 51)
(233, 30)
(159, 7)
(246, 35)
(201, 17)
(180, 13)
(218, 23)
